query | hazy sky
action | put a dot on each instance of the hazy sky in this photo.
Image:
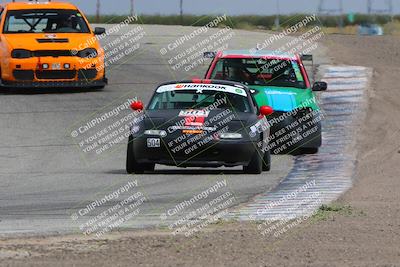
(229, 7)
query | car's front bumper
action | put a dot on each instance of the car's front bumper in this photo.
(215, 154)
(54, 84)
(27, 73)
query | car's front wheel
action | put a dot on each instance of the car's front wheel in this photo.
(267, 161)
(256, 164)
(132, 166)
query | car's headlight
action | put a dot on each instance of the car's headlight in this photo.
(230, 136)
(161, 133)
(21, 53)
(88, 53)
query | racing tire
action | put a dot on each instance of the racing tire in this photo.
(100, 87)
(309, 150)
(267, 161)
(132, 166)
(255, 166)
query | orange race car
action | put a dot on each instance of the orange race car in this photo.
(49, 44)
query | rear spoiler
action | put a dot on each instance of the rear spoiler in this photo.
(307, 57)
(209, 54)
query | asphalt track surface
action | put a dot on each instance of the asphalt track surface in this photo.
(43, 177)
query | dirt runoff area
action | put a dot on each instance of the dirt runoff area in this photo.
(360, 229)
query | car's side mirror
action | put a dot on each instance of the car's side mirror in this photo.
(266, 110)
(137, 105)
(209, 54)
(320, 86)
(99, 31)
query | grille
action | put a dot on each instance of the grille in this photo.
(52, 53)
(55, 74)
(23, 75)
(87, 74)
(59, 40)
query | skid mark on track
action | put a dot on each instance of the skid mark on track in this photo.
(329, 173)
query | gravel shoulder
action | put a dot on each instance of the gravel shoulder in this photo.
(363, 232)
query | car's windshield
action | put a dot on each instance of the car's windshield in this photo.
(199, 99)
(45, 21)
(260, 71)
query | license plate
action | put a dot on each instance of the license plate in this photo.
(153, 142)
(56, 66)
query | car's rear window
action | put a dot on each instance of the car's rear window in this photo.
(45, 21)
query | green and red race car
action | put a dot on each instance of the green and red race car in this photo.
(281, 81)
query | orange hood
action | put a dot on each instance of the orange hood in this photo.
(72, 41)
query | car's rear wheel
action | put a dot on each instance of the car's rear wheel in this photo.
(256, 164)
(132, 166)
(267, 161)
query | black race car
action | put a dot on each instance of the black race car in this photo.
(200, 123)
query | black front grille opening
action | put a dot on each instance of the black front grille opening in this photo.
(23, 75)
(52, 53)
(87, 74)
(55, 74)
(50, 40)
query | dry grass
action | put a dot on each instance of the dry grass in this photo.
(392, 28)
(344, 30)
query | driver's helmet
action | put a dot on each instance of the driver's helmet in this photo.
(69, 22)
